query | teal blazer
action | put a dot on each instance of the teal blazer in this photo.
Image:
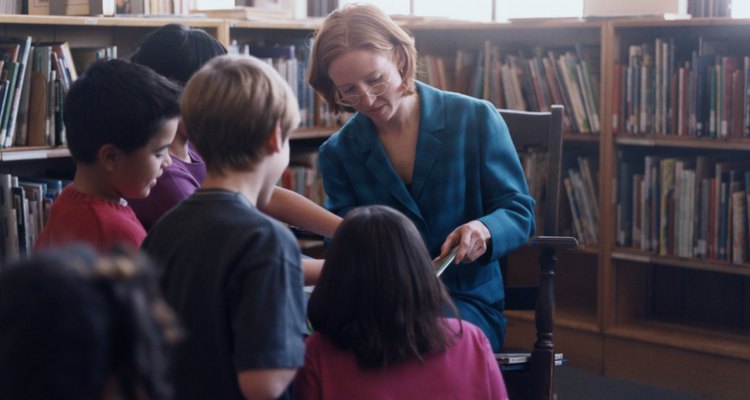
(466, 168)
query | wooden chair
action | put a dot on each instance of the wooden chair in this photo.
(540, 131)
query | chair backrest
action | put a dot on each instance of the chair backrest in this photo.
(541, 130)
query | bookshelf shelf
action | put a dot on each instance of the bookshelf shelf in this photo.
(312, 133)
(33, 153)
(704, 265)
(587, 249)
(579, 138)
(130, 22)
(301, 25)
(689, 338)
(564, 318)
(683, 142)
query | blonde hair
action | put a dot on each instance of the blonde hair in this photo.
(359, 27)
(230, 108)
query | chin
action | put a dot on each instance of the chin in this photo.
(142, 194)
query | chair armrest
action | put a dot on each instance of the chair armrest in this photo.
(556, 242)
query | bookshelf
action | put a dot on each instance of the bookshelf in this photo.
(124, 33)
(679, 303)
(617, 304)
(669, 320)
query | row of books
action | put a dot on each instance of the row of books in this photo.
(178, 7)
(34, 78)
(291, 60)
(709, 8)
(24, 209)
(581, 190)
(11, 7)
(706, 95)
(105, 7)
(684, 206)
(522, 81)
(302, 176)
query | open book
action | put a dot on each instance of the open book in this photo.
(443, 263)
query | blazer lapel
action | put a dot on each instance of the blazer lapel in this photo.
(380, 166)
(432, 120)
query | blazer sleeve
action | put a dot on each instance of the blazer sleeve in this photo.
(510, 217)
(336, 183)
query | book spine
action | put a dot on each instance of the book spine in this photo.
(739, 229)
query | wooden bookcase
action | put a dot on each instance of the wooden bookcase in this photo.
(675, 321)
(578, 317)
(680, 322)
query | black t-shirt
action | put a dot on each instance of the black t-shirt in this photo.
(233, 276)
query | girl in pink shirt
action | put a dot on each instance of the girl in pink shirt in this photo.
(377, 314)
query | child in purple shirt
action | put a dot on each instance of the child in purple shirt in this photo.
(176, 183)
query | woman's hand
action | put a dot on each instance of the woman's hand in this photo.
(471, 239)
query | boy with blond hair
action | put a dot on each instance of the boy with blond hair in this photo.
(232, 273)
(119, 120)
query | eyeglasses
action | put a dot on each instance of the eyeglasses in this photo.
(351, 100)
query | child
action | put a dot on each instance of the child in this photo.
(119, 120)
(377, 311)
(232, 273)
(177, 52)
(76, 326)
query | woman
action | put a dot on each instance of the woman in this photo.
(379, 330)
(443, 159)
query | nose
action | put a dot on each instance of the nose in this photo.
(368, 98)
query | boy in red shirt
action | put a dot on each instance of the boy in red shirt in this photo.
(119, 120)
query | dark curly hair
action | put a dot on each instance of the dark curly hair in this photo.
(73, 323)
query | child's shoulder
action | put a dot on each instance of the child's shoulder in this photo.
(77, 217)
(231, 211)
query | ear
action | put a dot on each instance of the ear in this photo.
(107, 157)
(275, 142)
(181, 130)
(399, 58)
